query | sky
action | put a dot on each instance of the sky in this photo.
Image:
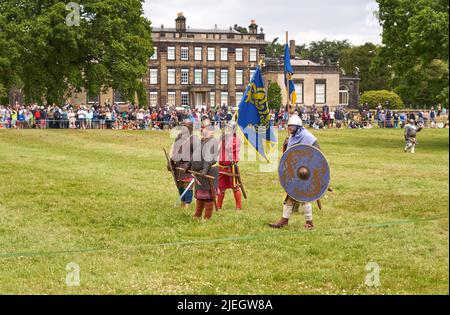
(305, 20)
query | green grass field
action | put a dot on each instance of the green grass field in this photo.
(105, 201)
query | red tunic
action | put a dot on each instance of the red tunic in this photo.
(228, 159)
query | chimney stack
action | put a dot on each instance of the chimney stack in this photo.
(180, 23)
(292, 48)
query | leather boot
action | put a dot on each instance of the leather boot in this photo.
(199, 205)
(238, 199)
(280, 224)
(209, 208)
(309, 225)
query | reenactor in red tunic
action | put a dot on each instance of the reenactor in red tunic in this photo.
(228, 164)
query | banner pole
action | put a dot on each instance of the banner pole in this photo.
(288, 105)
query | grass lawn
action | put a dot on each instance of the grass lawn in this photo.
(105, 201)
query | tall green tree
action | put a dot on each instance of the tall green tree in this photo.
(108, 46)
(361, 59)
(9, 52)
(425, 86)
(415, 38)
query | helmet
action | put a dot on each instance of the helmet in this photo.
(295, 121)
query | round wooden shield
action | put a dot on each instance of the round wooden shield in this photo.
(304, 173)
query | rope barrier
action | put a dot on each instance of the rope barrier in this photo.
(221, 240)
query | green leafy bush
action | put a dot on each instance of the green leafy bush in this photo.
(375, 98)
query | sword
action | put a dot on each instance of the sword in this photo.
(213, 193)
(211, 183)
(319, 202)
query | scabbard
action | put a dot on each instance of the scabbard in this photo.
(239, 179)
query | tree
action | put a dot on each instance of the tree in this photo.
(373, 76)
(9, 52)
(415, 37)
(425, 85)
(330, 51)
(109, 49)
(274, 49)
(2, 92)
(274, 97)
(375, 98)
(299, 50)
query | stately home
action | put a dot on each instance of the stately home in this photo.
(315, 83)
(212, 67)
(202, 67)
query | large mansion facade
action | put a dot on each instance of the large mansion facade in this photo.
(212, 67)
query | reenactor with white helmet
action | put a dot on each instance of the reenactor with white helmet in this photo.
(297, 135)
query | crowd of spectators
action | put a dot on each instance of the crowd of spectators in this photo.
(115, 116)
(387, 118)
(130, 117)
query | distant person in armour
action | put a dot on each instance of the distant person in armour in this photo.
(411, 131)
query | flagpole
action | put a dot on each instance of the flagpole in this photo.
(288, 106)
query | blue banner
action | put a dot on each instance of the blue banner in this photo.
(288, 73)
(254, 117)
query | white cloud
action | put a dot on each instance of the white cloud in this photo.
(306, 20)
